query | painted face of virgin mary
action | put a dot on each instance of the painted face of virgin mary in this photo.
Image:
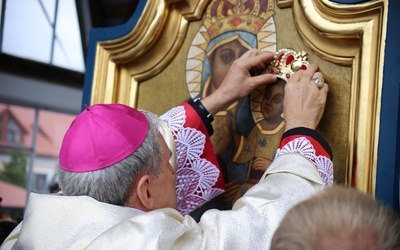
(222, 59)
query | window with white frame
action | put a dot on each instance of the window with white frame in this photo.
(43, 30)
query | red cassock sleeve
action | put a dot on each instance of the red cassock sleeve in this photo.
(198, 175)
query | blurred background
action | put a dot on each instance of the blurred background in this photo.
(43, 45)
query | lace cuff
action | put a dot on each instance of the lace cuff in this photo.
(313, 146)
(198, 177)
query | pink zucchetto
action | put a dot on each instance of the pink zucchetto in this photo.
(102, 135)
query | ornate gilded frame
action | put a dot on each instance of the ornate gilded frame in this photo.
(350, 36)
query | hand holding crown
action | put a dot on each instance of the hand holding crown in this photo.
(305, 90)
(287, 62)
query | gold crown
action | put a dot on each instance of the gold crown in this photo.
(287, 62)
(246, 15)
(284, 65)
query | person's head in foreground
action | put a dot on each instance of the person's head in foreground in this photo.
(117, 155)
(338, 218)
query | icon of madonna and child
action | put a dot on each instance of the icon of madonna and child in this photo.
(246, 134)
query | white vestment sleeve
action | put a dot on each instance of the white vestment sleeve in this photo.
(250, 225)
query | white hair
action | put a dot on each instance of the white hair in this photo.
(338, 218)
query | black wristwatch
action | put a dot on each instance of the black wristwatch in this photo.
(203, 113)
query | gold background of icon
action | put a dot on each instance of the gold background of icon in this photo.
(146, 68)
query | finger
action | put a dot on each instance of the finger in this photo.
(312, 68)
(260, 168)
(253, 52)
(304, 74)
(256, 160)
(317, 74)
(296, 76)
(260, 59)
(232, 191)
(325, 88)
(230, 184)
(309, 72)
(264, 79)
(255, 166)
(255, 61)
(259, 159)
(250, 53)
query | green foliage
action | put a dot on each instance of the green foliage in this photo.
(15, 170)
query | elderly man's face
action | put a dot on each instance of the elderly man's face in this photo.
(165, 183)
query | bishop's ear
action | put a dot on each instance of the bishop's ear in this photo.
(143, 191)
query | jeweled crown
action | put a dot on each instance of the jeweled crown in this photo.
(228, 15)
(287, 62)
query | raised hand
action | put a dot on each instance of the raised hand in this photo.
(304, 102)
(240, 80)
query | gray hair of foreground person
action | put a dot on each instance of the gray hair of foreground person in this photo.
(113, 184)
(338, 218)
